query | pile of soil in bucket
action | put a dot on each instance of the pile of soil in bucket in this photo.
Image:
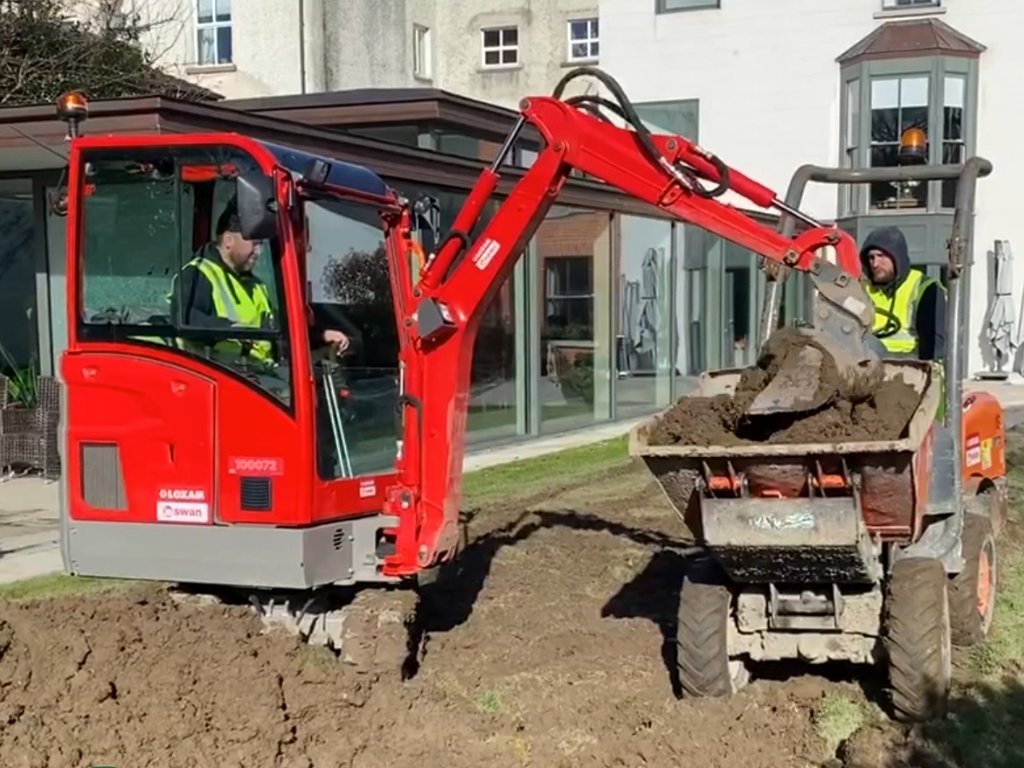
(881, 413)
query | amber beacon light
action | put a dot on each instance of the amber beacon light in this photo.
(73, 109)
(913, 146)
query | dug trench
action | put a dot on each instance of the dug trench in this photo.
(547, 647)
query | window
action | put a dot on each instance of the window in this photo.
(680, 117)
(501, 47)
(954, 144)
(146, 214)
(891, 5)
(897, 104)
(213, 31)
(851, 157)
(668, 6)
(569, 295)
(351, 291)
(421, 66)
(584, 43)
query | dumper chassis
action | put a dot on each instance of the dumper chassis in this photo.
(867, 552)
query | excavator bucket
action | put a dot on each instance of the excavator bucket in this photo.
(808, 368)
(796, 385)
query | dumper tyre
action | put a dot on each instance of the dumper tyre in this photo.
(972, 592)
(702, 639)
(917, 639)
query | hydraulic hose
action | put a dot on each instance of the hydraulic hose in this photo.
(625, 110)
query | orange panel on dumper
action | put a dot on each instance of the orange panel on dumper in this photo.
(984, 450)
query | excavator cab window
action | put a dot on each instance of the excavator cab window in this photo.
(152, 262)
(351, 291)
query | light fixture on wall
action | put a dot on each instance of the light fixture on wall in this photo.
(913, 146)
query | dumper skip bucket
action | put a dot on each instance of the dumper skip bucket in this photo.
(767, 509)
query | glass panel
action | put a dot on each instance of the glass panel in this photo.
(680, 118)
(56, 254)
(852, 113)
(897, 104)
(643, 316)
(578, 30)
(223, 10)
(493, 404)
(573, 254)
(677, 5)
(357, 394)
(492, 37)
(953, 146)
(741, 319)
(155, 255)
(510, 36)
(206, 46)
(19, 340)
(204, 11)
(509, 56)
(223, 45)
(492, 57)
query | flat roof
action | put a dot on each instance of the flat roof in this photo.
(388, 106)
(35, 140)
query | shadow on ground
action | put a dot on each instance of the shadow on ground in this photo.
(448, 602)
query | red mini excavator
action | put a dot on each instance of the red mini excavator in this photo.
(189, 458)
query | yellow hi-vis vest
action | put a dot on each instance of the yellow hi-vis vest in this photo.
(895, 313)
(237, 306)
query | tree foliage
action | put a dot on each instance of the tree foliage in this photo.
(51, 46)
(358, 277)
(359, 284)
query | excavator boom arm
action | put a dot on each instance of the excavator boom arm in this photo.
(666, 172)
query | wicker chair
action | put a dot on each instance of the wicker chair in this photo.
(28, 436)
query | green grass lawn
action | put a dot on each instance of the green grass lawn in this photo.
(986, 725)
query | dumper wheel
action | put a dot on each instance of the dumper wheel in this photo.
(917, 638)
(972, 592)
(702, 639)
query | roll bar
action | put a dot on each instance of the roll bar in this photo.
(958, 247)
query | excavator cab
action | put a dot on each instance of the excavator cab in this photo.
(211, 433)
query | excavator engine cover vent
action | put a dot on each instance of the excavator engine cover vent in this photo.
(257, 494)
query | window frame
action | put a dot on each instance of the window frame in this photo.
(590, 40)
(907, 5)
(90, 331)
(853, 200)
(661, 7)
(501, 47)
(422, 53)
(216, 25)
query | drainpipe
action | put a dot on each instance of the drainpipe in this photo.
(302, 46)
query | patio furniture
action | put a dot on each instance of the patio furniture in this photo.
(28, 435)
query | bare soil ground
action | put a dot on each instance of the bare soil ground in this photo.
(549, 649)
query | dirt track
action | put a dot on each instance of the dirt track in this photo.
(548, 651)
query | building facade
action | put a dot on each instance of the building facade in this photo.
(854, 76)
(487, 49)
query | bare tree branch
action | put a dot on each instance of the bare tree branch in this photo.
(102, 47)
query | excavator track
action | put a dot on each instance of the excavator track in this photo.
(370, 628)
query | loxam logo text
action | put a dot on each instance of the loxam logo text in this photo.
(178, 494)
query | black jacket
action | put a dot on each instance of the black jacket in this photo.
(930, 319)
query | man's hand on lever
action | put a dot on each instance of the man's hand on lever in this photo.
(337, 340)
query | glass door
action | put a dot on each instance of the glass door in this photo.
(19, 337)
